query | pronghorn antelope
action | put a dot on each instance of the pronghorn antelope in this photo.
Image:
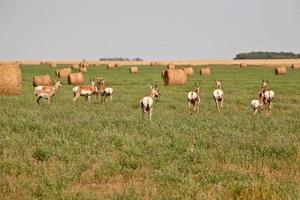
(193, 98)
(85, 90)
(46, 94)
(256, 105)
(147, 102)
(103, 90)
(266, 97)
(48, 88)
(218, 95)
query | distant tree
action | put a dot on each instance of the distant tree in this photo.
(266, 55)
(120, 59)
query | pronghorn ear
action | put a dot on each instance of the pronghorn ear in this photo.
(150, 86)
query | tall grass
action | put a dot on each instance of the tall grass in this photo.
(88, 150)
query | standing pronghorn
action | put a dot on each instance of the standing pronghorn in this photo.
(266, 96)
(103, 90)
(48, 88)
(218, 95)
(46, 94)
(147, 102)
(193, 98)
(85, 90)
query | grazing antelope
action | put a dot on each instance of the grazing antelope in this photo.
(193, 98)
(218, 95)
(256, 105)
(85, 90)
(103, 90)
(147, 102)
(46, 94)
(48, 88)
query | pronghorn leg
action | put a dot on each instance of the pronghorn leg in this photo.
(217, 104)
(89, 98)
(150, 114)
(255, 111)
(38, 99)
(110, 97)
(76, 96)
(197, 107)
(222, 102)
(189, 104)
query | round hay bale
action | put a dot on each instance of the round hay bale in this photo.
(42, 80)
(174, 77)
(188, 71)
(295, 66)
(205, 71)
(75, 78)
(134, 70)
(83, 69)
(74, 66)
(10, 80)
(63, 73)
(243, 65)
(171, 66)
(280, 71)
(111, 65)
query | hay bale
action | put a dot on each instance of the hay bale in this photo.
(243, 65)
(83, 69)
(74, 66)
(188, 71)
(75, 78)
(205, 71)
(295, 66)
(53, 65)
(134, 70)
(42, 80)
(10, 80)
(171, 66)
(280, 70)
(111, 66)
(174, 77)
(63, 73)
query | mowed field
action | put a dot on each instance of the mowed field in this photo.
(89, 150)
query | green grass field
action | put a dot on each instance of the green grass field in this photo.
(86, 150)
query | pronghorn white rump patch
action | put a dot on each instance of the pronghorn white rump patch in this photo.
(269, 95)
(147, 102)
(192, 95)
(218, 94)
(255, 103)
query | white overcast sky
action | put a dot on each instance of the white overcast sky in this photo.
(150, 29)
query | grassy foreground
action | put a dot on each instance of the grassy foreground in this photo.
(86, 150)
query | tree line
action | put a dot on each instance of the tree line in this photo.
(266, 55)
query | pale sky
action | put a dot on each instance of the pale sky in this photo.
(149, 29)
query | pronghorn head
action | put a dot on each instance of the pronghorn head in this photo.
(197, 87)
(264, 84)
(93, 82)
(58, 83)
(154, 91)
(218, 84)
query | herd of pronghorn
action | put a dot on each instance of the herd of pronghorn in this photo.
(99, 88)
